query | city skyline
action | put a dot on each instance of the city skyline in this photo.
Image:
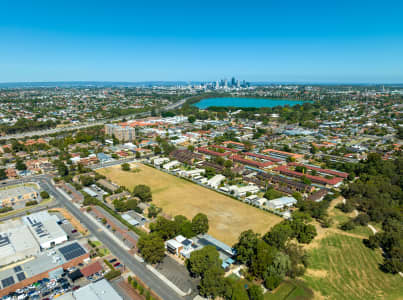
(358, 42)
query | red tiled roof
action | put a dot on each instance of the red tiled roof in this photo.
(234, 143)
(264, 157)
(251, 162)
(211, 152)
(326, 171)
(91, 269)
(225, 148)
(283, 152)
(317, 179)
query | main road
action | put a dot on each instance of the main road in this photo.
(89, 124)
(139, 268)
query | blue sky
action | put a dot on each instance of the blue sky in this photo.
(304, 41)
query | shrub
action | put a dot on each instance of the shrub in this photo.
(349, 225)
(112, 274)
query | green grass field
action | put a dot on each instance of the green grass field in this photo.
(290, 290)
(341, 267)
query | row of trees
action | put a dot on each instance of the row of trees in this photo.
(206, 265)
(274, 256)
(152, 246)
(268, 259)
(168, 229)
(378, 195)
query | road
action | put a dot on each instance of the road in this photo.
(126, 258)
(111, 163)
(139, 268)
(69, 128)
(90, 124)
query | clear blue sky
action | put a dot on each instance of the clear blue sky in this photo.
(319, 41)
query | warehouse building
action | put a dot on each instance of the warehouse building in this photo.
(100, 290)
(45, 229)
(42, 266)
(16, 242)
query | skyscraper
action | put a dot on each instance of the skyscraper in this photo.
(233, 82)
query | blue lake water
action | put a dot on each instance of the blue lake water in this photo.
(245, 102)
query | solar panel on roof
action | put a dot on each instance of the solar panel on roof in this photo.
(21, 276)
(7, 281)
(72, 251)
(17, 269)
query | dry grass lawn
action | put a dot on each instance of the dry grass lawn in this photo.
(227, 217)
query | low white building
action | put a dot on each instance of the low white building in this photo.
(171, 164)
(178, 244)
(282, 202)
(216, 181)
(160, 160)
(243, 190)
(45, 229)
(130, 219)
(192, 173)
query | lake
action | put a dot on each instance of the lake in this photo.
(245, 102)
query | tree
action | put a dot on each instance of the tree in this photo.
(304, 233)
(306, 180)
(165, 228)
(202, 260)
(228, 163)
(143, 192)
(281, 265)
(262, 259)
(209, 173)
(87, 180)
(212, 283)
(278, 235)
(246, 246)
(272, 194)
(255, 292)
(362, 219)
(153, 211)
(119, 205)
(125, 167)
(298, 258)
(297, 196)
(271, 282)
(3, 174)
(239, 292)
(349, 225)
(131, 204)
(62, 169)
(191, 119)
(184, 226)
(200, 223)
(20, 165)
(151, 248)
(44, 195)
